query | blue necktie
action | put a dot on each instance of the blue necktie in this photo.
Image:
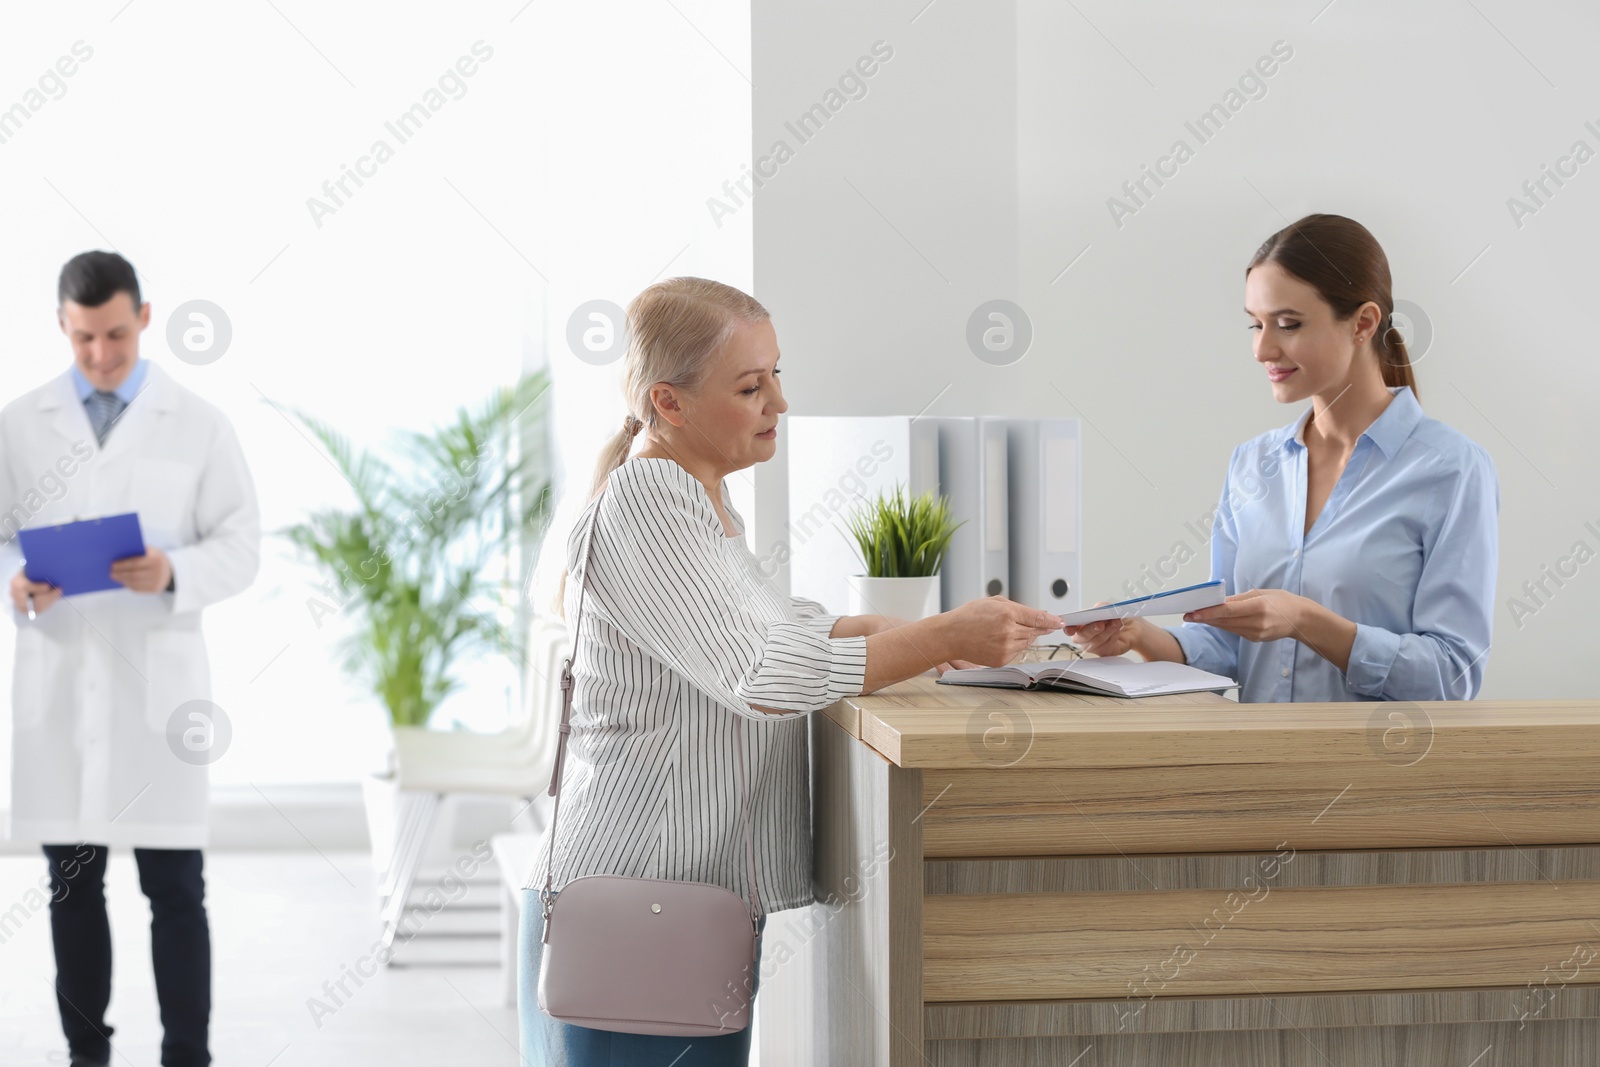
(103, 411)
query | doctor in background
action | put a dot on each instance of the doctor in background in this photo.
(99, 676)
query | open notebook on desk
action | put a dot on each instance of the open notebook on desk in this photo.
(1108, 676)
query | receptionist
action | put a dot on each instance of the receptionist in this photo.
(1359, 543)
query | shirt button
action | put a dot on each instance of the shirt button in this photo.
(1286, 672)
(1297, 553)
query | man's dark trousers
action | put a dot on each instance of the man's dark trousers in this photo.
(180, 948)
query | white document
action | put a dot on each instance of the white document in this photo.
(1174, 602)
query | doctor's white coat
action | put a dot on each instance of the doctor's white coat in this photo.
(98, 676)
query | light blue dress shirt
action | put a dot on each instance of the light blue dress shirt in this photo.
(125, 392)
(1406, 548)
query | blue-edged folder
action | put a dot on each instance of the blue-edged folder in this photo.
(76, 557)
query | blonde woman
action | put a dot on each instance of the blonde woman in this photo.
(681, 634)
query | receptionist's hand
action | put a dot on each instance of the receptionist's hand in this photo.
(1111, 637)
(1257, 615)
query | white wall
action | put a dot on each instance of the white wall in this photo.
(1418, 120)
(642, 114)
(881, 234)
(573, 164)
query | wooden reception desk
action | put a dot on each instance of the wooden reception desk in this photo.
(1015, 878)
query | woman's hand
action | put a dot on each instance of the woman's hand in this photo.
(1116, 637)
(1110, 637)
(1257, 615)
(990, 632)
(994, 631)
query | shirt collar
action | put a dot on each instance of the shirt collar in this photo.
(1388, 431)
(125, 392)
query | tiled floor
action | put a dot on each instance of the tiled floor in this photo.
(282, 924)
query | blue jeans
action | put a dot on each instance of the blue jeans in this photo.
(548, 1042)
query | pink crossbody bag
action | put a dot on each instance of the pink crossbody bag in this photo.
(646, 955)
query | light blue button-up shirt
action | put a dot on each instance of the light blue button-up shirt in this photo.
(1406, 548)
(126, 391)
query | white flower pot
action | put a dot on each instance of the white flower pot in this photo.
(901, 598)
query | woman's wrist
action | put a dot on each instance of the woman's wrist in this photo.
(862, 625)
(902, 652)
(1152, 642)
(936, 637)
(1324, 631)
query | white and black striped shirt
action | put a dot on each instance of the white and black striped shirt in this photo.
(680, 633)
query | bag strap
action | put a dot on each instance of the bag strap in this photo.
(546, 895)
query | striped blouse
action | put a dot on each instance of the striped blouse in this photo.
(680, 633)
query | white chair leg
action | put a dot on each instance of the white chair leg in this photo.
(408, 858)
(412, 810)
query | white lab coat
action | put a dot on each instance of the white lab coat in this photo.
(98, 675)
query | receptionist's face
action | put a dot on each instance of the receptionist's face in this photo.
(1303, 348)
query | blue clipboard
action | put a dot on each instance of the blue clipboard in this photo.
(76, 557)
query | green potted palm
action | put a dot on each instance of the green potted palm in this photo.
(902, 541)
(430, 560)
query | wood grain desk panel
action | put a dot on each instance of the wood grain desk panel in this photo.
(919, 723)
(1210, 943)
(1354, 804)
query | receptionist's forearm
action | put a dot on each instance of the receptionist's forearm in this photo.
(1153, 643)
(1329, 635)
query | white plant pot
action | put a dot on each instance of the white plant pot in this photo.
(901, 598)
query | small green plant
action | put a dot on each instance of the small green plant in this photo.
(901, 537)
(423, 558)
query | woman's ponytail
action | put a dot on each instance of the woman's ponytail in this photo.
(615, 453)
(1393, 359)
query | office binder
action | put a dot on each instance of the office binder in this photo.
(838, 463)
(1045, 488)
(972, 473)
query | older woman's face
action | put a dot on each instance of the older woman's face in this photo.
(733, 415)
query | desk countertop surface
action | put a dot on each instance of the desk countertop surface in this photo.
(919, 723)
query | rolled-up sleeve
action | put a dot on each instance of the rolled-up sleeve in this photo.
(661, 575)
(1443, 657)
(814, 615)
